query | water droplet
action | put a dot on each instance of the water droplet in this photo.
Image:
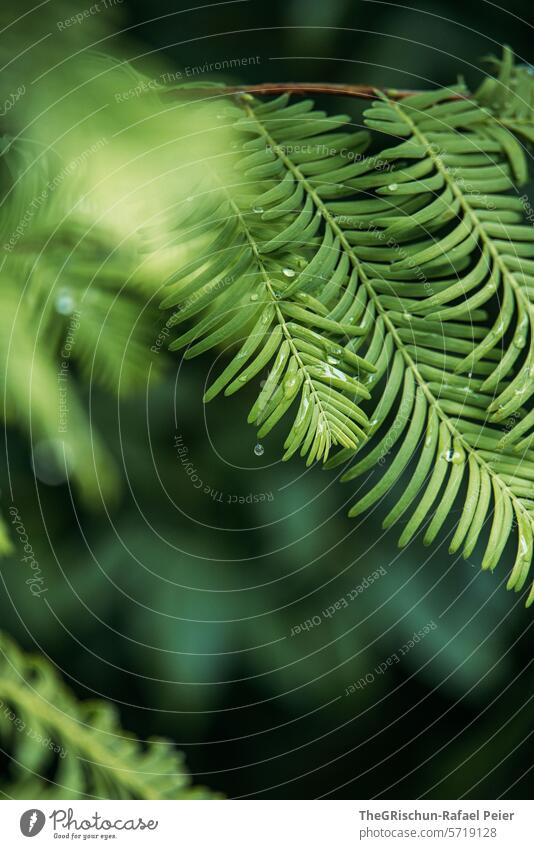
(258, 449)
(333, 361)
(452, 456)
(289, 272)
(470, 374)
(523, 544)
(65, 303)
(257, 209)
(254, 297)
(393, 187)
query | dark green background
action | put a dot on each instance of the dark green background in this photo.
(180, 607)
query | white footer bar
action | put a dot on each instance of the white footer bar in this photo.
(278, 824)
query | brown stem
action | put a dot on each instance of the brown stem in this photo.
(362, 91)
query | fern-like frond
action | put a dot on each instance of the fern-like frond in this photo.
(428, 235)
(61, 748)
(443, 263)
(252, 277)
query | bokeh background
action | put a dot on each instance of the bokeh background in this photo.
(182, 603)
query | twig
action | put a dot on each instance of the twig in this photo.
(366, 92)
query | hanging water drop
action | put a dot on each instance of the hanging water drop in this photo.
(257, 209)
(65, 303)
(289, 272)
(258, 449)
(452, 456)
